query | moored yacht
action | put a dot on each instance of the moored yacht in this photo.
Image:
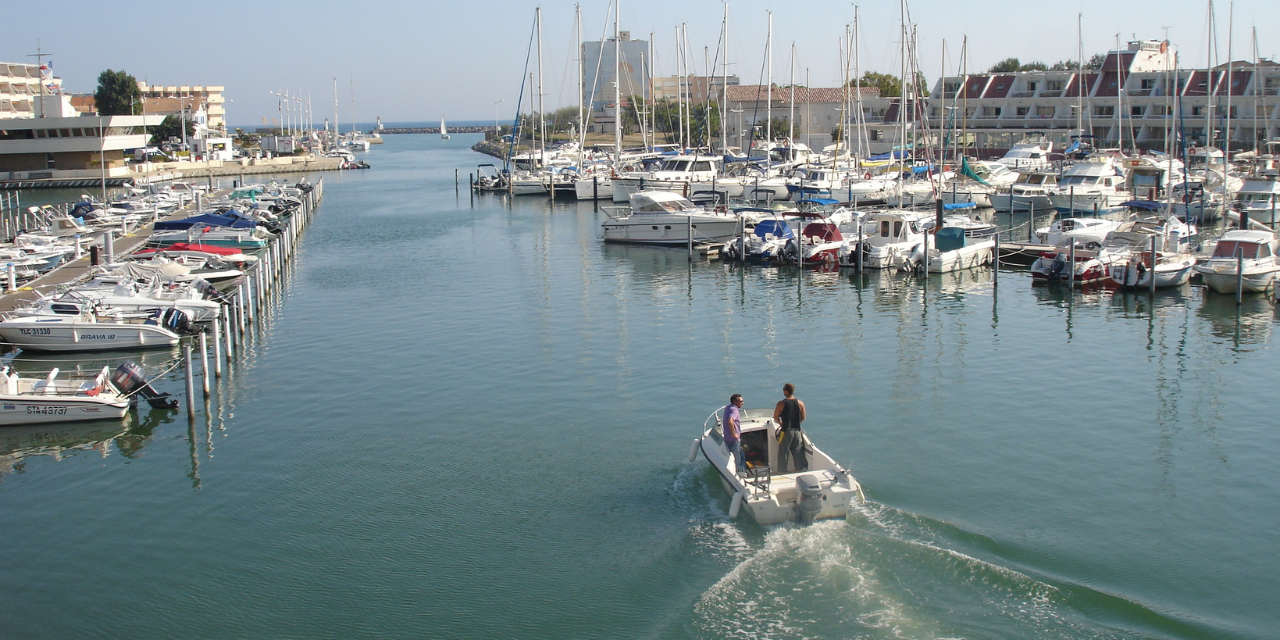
(1095, 184)
(662, 217)
(1251, 248)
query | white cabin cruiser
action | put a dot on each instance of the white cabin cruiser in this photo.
(769, 495)
(1252, 248)
(1083, 231)
(1029, 153)
(887, 239)
(676, 175)
(1093, 184)
(1030, 193)
(1259, 197)
(662, 217)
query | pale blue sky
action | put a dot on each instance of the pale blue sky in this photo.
(424, 60)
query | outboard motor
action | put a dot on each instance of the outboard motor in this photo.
(808, 498)
(128, 379)
(209, 291)
(176, 321)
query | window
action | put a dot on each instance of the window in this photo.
(1057, 85)
(1107, 111)
(1044, 112)
(1148, 84)
(1000, 86)
(1135, 112)
(1023, 111)
(1197, 111)
(991, 112)
(702, 165)
(1031, 86)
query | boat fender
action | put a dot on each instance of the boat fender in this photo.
(735, 505)
(693, 451)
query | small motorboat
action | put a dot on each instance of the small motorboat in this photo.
(770, 495)
(52, 398)
(1252, 249)
(764, 243)
(95, 330)
(55, 399)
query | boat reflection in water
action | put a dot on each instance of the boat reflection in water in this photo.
(1247, 324)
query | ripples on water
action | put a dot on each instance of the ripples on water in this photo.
(464, 420)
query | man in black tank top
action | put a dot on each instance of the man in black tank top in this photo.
(790, 413)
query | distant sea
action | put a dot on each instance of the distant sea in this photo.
(369, 126)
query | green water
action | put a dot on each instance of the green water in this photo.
(469, 420)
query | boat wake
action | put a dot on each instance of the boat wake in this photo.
(882, 573)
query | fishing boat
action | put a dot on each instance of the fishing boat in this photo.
(444, 133)
(771, 495)
(1252, 249)
(662, 217)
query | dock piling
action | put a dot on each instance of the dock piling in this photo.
(217, 345)
(191, 392)
(204, 361)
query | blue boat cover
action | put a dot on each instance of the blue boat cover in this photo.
(820, 201)
(959, 205)
(206, 219)
(778, 228)
(1147, 205)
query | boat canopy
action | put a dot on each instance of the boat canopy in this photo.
(231, 219)
(824, 231)
(660, 202)
(774, 227)
(1145, 205)
(819, 201)
(959, 205)
(949, 239)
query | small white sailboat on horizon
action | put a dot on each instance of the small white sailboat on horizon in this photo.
(444, 133)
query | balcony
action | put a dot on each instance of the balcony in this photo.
(1057, 93)
(1022, 94)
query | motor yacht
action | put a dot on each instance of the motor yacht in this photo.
(1251, 248)
(887, 239)
(663, 217)
(55, 398)
(1030, 153)
(768, 494)
(1095, 184)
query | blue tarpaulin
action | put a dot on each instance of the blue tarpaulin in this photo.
(206, 219)
(778, 228)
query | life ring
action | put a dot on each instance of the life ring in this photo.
(1187, 198)
(866, 176)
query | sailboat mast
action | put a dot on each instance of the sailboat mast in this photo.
(542, 111)
(1226, 141)
(791, 112)
(577, 11)
(768, 55)
(724, 84)
(335, 111)
(617, 87)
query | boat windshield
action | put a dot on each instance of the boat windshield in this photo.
(1068, 181)
(675, 205)
(675, 165)
(1263, 198)
(1251, 250)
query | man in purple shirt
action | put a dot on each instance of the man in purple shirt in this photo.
(733, 430)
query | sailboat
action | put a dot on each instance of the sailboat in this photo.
(444, 133)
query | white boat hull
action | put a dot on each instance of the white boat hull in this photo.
(669, 231)
(1223, 279)
(35, 409)
(63, 334)
(967, 257)
(587, 189)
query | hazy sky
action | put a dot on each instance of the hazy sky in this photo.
(422, 60)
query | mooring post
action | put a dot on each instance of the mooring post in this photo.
(1239, 276)
(1153, 266)
(1031, 222)
(1071, 268)
(204, 361)
(191, 391)
(217, 345)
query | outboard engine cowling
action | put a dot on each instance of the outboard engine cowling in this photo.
(176, 321)
(808, 498)
(129, 380)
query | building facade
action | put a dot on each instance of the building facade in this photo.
(75, 146)
(599, 77)
(204, 103)
(1135, 100)
(817, 111)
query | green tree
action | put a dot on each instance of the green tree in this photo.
(1095, 62)
(1008, 65)
(1065, 65)
(890, 86)
(117, 94)
(171, 127)
(1034, 66)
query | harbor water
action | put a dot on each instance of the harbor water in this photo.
(470, 419)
